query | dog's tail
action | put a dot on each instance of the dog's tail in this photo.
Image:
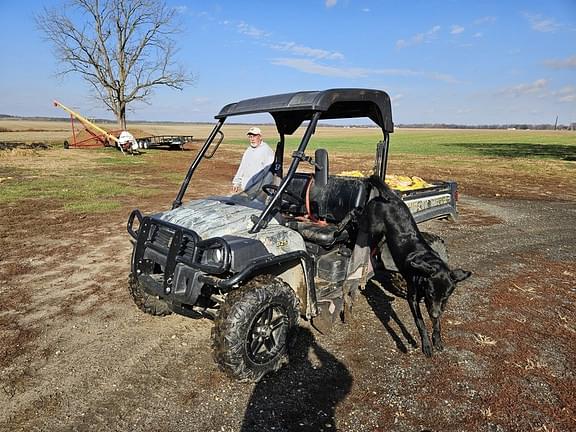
(379, 184)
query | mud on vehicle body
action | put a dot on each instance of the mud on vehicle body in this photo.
(286, 249)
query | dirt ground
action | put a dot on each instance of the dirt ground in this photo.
(77, 355)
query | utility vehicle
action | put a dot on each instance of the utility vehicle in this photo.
(286, 249)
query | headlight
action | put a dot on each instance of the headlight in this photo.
(213, 255)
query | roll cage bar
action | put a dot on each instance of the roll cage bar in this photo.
(289, 111)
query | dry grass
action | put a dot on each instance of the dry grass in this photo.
(53, 131)
(66, 268)
(58, 131)
(484, 340)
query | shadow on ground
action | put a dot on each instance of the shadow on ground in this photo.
(521, 150)
(381, 304)
(318, 382)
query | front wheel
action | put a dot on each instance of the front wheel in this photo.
(254, 328)
(148, 303)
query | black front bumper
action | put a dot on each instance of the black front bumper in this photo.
(165, 261)
(162, 259)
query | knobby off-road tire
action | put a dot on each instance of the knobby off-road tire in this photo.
(398, 283)
(150, 304)
(254, 329)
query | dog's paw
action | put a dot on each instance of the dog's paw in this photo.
(412, 341)
(427, 349)
(437, 342)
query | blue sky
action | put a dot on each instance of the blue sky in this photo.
(452, 61)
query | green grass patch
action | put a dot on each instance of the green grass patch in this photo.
(122, 161)
(499, 144)
(92, 206)
(450, 143)
(65, 188)
(87, 192)
(176, 177)
(113, 157)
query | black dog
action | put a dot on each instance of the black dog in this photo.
(426, 274)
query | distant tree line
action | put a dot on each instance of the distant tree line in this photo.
(513, 126)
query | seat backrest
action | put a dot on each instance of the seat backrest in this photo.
(298, 184)
(338, 197)
(321, 168)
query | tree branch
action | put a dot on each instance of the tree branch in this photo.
(121, 48)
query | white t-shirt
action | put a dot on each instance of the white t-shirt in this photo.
(254, 161)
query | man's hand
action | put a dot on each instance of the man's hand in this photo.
(235, 188)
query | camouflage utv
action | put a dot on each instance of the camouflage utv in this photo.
(287, 248)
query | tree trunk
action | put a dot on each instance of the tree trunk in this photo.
(121, 115)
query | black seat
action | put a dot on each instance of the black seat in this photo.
(332, 206)
(337, 198)
(331, 202)
(324, 235)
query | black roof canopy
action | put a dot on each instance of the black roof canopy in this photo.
(291, 109)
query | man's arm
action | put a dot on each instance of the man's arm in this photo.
(237, 180)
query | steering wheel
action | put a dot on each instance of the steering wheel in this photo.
(288, 196)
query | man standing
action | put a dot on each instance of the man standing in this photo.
(255, 162)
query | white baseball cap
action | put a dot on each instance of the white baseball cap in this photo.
(254, 131)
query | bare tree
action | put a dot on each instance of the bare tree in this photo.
(122, 48)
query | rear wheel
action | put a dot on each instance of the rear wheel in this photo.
(254, 328)
(148, 303)
(397, 283)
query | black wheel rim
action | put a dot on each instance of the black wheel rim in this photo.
(267, 336)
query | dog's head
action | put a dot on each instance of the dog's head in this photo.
(436, 282)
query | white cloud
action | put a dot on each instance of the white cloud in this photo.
(464, 111)
(435, 76)
(307, 51)
(201, 100)
(441, 77)
(536, 87)
(330, 3)
(456, 29)
(569, 63)
(315, 68)
(485, 20)
(250, 30)
(539, 89)
(311, 67)
(478, 34)
(541, 24)
(366, 10)
(419, 38)
(566, 94)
